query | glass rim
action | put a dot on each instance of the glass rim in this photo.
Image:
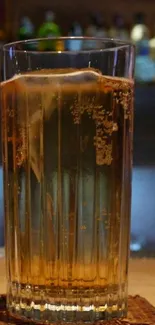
(118, 44)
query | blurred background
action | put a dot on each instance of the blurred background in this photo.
(127, 20)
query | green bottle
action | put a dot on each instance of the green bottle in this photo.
(48, 29)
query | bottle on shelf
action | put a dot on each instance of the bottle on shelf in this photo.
(48, 29)
(152, 46)
(139, 31)
(26, 30)
(96, 28)
(144, 65)
(75, 31)
(118, 29)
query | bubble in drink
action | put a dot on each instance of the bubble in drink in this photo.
(68, 136)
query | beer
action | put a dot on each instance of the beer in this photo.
(67, 148)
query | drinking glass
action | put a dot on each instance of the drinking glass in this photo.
(67, 121)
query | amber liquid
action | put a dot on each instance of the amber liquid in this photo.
(67, 151)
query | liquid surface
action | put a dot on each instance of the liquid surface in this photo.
(67, 142)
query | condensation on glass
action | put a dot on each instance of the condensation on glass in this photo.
(67, 157)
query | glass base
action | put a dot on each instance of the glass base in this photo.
(52, 304)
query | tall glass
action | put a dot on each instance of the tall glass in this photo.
(67, 120)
